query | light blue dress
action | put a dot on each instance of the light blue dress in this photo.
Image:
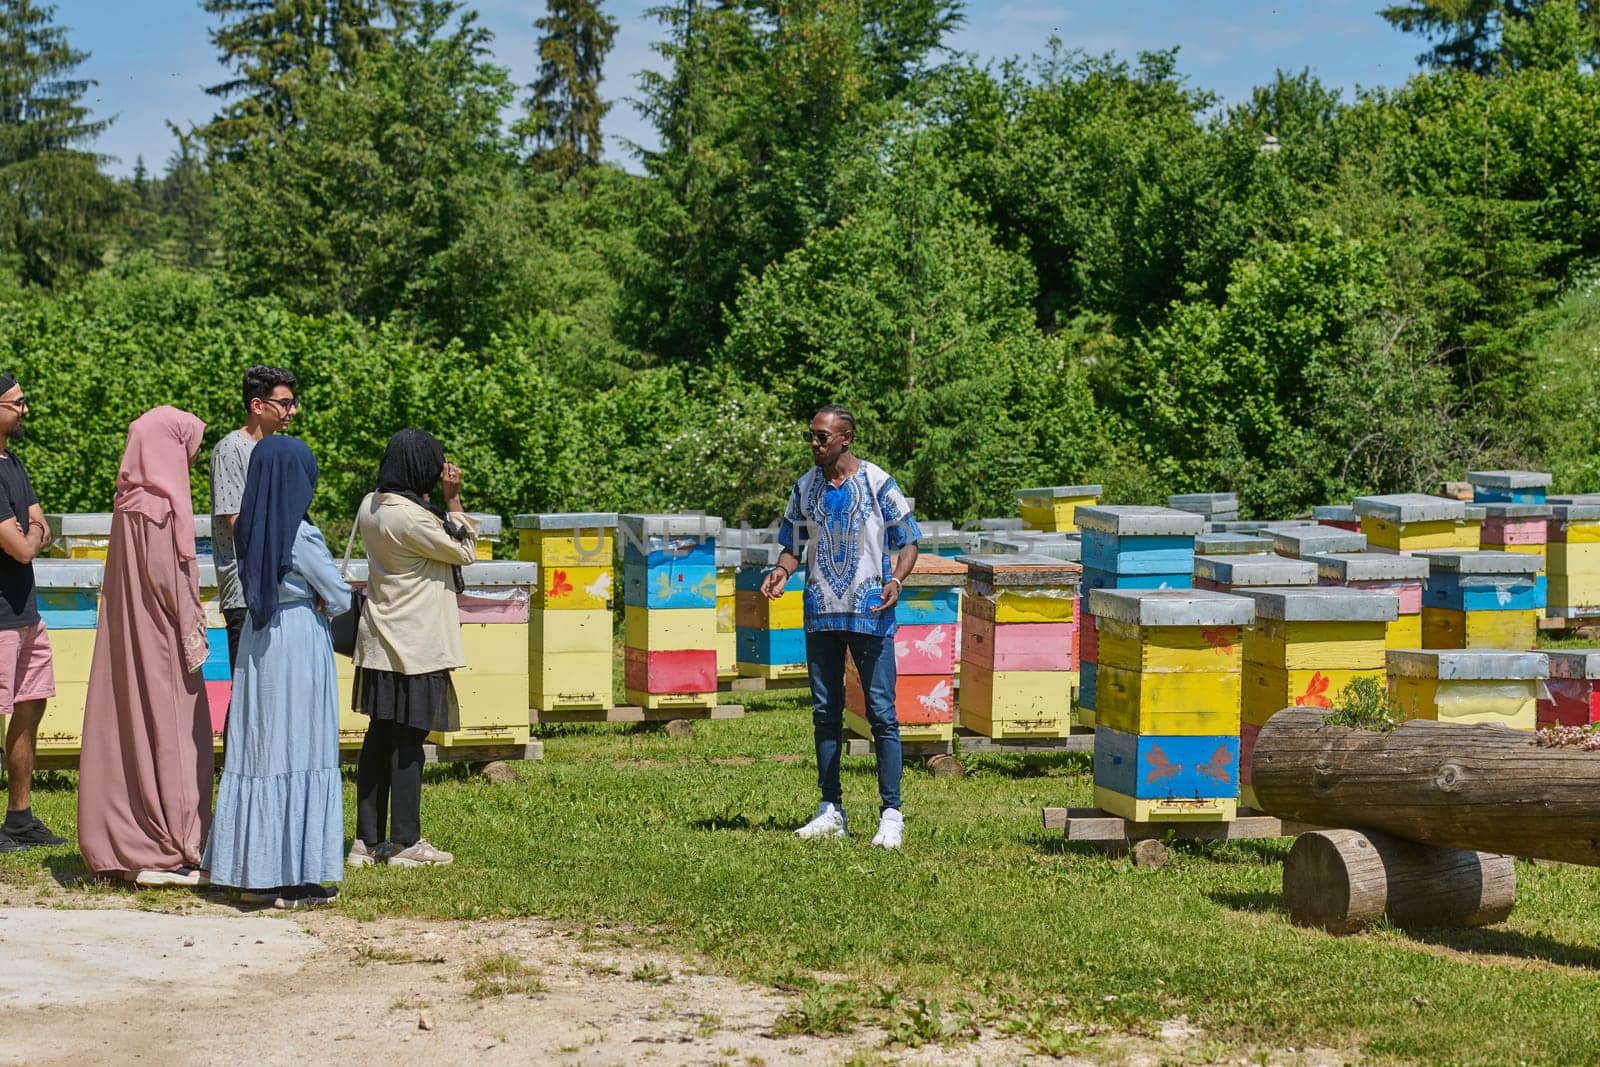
(280, 808)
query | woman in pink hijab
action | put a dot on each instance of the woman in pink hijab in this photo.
(144, 792)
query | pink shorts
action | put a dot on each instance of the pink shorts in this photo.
(26, 672)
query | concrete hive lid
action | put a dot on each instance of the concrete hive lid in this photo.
(1369, 566)
(1264, 569)
(208, 572)
(488, 572)
(757, 555)
(638, 525)
(1057, 492)
(1185, 501)
(936, 527)
(202, 526)
(1582, 663)
(1324, 603)
(1576, 512)
(1135, 520)
(1509, 479)
(1574, 498)
(1303, 541)
(745, 537)
(1410, 507)
(727, 557)
(1467, 665)
(1515, 511)
(1231, 544)
(567, 520)
(1171, 607)
(1028, 568)
(488, 525)
(999, 524)
(80, 524)
(1474, 512)
(935, 571)
(74, 573)
(1449, 561)
(1335, 513)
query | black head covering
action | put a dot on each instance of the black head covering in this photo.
(412, 465)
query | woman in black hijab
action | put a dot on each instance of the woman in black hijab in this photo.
(408, 643)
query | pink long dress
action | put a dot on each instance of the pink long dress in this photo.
(144, 791)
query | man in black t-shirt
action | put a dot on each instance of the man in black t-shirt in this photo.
(27, 678)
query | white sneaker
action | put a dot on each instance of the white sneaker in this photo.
(421, 854)
(828, 823)
(184, 876)
(891, 828)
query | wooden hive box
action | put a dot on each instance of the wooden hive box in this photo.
(1509, 487)
(1054, 507)
(1409, 522)
(1468, 686)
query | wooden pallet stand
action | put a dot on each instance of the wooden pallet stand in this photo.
(1143, 840)
(528, 750)
(635, 713)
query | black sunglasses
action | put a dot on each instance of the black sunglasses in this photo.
(820, 437)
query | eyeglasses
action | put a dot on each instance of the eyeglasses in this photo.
(19, 403)
(817, 437)
(287, 404)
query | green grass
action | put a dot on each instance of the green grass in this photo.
(984, 918)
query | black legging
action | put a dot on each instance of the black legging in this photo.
(389, 783)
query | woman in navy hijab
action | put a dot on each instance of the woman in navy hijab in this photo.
(278, 833)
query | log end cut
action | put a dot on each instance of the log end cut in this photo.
(1344, 881)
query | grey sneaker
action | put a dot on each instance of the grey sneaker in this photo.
(361, 855)
(420, 854)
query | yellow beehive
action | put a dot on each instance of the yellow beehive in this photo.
(1409, 522)
(1448, 628)
(1405, 632)
(489, 527)
(572, 539)
(1462, 686)
(656, 631)
(1308, 644)
(1268, 691)
(493, 688)
(1167, 648)
(1284, 645)
(1055, 507)
(1174, 703)
(1007, 605)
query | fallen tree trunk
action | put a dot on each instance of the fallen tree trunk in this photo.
(1347, 880)
(1486, 788)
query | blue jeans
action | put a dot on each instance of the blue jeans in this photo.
(874, 656)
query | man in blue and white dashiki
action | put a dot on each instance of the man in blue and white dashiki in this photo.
(845, 517)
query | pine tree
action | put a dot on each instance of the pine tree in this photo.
(144, 209)
(188, 212)
(564, 112)
(56, 207)
(275, 47)
(1468, 34)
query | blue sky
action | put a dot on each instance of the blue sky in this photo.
(152, 58)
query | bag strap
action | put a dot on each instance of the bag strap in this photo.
(350, 545)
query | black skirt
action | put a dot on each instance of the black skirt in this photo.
(420, 701)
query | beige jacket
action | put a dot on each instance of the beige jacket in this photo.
(410, 625)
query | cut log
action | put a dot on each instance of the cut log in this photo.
(1345, 881)
(1481, 787)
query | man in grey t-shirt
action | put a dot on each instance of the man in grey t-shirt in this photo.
(270, 403)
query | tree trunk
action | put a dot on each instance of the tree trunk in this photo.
(1476, 787)
(1346, 880)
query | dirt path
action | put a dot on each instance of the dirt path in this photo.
(212, 985)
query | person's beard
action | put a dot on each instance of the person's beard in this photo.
(17, 433)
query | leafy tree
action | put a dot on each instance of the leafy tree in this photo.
(764, 117)
(353, 207)
(275, 49)
(564, 112)
(57, 210)
(908, 312)
(1475, 35)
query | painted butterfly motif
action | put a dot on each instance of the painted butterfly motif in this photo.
(559, 586)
